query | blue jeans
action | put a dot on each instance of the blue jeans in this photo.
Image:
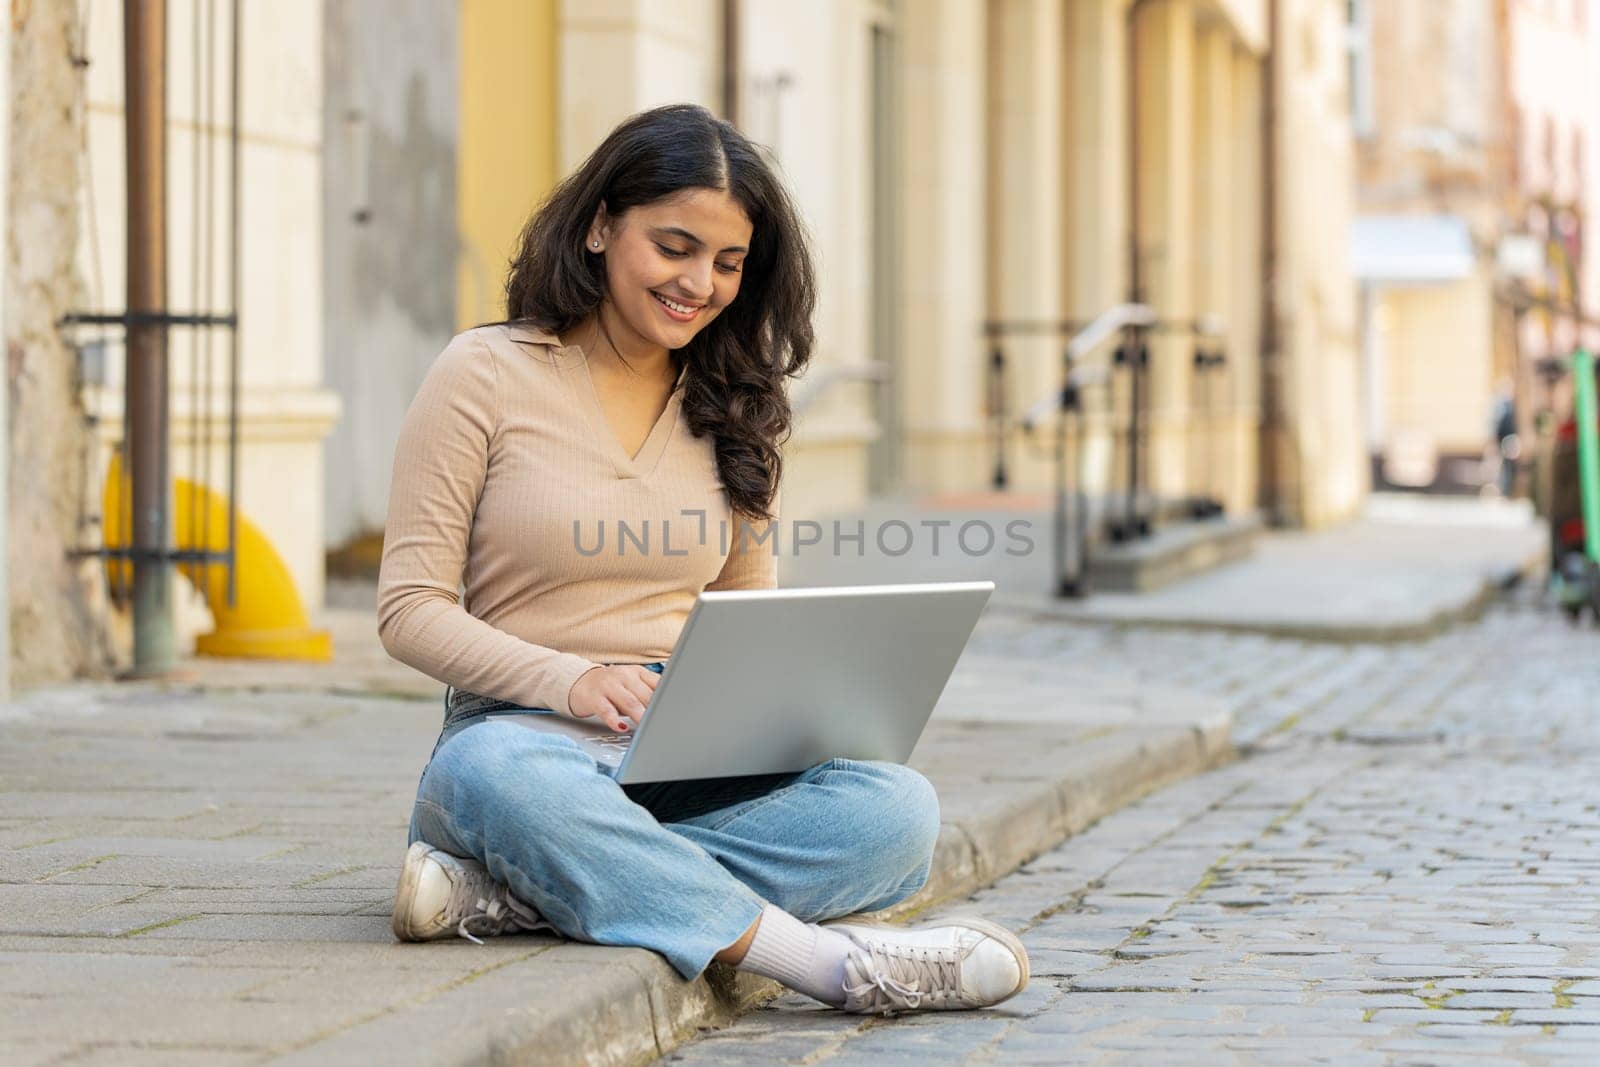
(683, 868)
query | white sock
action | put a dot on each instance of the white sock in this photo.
(803, 956)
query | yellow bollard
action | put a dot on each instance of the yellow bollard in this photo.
(267, 620)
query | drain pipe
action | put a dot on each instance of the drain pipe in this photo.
(1269, 491)
(146, 414)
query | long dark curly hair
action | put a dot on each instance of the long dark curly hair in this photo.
(734, 369)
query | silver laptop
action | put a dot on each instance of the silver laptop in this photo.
(766, 681)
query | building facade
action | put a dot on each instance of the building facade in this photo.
(965, 166)
(1476, 132)
(965, 163)
(1552, 60)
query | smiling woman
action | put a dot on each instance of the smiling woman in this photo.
(658, 302)
(664, 284)
(651, 251)
(677, 208)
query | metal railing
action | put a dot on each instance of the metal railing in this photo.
(1070, 533)
(1210, 362)
(811, 388)
(1132, 323)
(148, 319)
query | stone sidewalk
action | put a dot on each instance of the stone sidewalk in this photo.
(1407, 569)
(1406, 878)
(202, 872)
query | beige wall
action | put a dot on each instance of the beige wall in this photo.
(1318, 451)
(805, 95)
(1437, 363)
(1242, 376)
(1166, 36)
(1095, 190)
(945, 274)
(1094, 153)
(58, 615)
(506, 143)
(1025, 235)
(1013, 200)
(1245, 19)
(622, 56)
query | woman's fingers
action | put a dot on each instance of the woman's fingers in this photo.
(633, 693)
(621, 695)
(606, 714)
(622, 709)
(629, 705)
(641, 688)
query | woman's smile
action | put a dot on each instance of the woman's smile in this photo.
(675, 310)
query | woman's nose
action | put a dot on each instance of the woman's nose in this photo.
(696, 282)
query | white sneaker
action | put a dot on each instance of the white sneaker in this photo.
(963, 963)
(440, 895)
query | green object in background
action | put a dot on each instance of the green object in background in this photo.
(1586, 413)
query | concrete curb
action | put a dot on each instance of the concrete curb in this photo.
(580, 1004)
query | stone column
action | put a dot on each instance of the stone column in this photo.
(1165, 50)
(1321, 463)
(1095, 191)
(623, 56)
(943, 147)
(1244, 306)
(1025, 235)
(1095, 157)
(1215, 162)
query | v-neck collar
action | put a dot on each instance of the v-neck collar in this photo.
(645, 461)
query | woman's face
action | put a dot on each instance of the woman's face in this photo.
(672, 265)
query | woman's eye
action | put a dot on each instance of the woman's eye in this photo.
(675, 253)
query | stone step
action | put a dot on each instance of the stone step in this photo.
(1172, 552)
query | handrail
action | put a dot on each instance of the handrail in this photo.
(1104, 326)
(1070, 525)
(810, 388)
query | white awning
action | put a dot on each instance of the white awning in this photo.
(1411, 249)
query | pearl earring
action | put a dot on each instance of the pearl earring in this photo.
(595, 243)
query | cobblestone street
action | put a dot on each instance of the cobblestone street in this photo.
(1403, 867)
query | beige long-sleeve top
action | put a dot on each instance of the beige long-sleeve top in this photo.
(509, 482)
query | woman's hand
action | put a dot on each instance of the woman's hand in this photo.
(615, 695)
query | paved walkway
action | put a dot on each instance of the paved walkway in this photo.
(1404, 870)
(204, 872)
(1409, 568)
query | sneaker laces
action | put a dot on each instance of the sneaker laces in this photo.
(486, 907)
(886, 978)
